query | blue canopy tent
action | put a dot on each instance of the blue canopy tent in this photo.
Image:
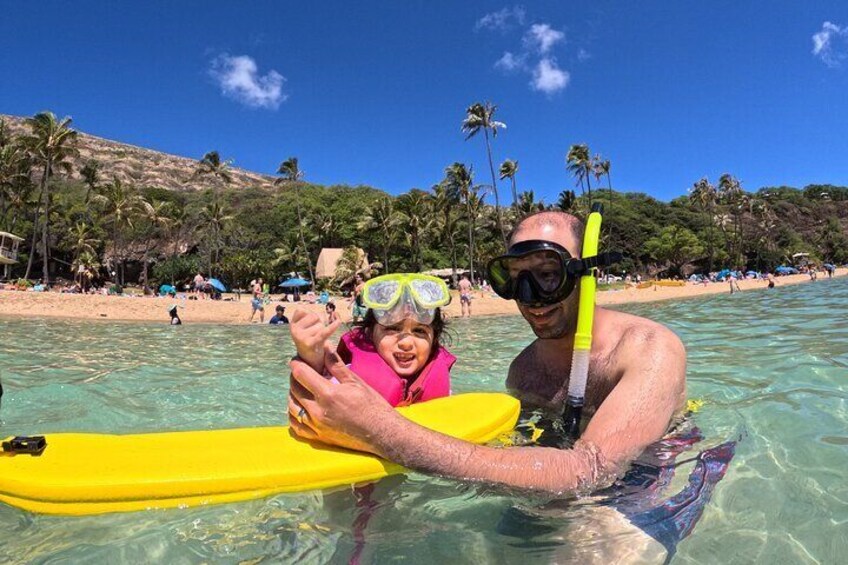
(167, 289)
(295, 282)
(784, 270)
(217, 285)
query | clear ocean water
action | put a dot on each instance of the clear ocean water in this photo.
(770, 366)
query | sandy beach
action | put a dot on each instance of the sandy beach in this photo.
(132, 308)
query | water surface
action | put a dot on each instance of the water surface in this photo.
(770, 366)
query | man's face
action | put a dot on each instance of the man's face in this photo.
(555, 320)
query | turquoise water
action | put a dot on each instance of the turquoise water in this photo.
(771, 367)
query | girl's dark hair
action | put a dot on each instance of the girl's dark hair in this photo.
(331, 306)
(439, 326)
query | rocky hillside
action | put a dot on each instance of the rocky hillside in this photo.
(141, 166)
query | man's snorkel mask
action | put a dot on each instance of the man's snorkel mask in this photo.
(539, 273)
(393, 298)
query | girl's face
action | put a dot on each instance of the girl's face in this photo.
(405, 346)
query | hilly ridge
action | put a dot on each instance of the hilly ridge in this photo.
(144, 167)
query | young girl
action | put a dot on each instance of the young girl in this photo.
(396, 348)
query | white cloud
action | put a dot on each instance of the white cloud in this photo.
(501, 20)
(583, 55)
(511, 62)
(831, 44)
(542, 37)
(548, 77)
(239, 79)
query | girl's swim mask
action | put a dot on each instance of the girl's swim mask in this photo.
(538, 272)
(395, 297)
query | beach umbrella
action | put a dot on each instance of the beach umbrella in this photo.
(295, 282)
(829, 266)
(217, 285)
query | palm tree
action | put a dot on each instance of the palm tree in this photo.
(704, 195)
(291, 173)
(566, 201)
(508, 170)
(382, 219)
(730, 192)
(15, 183)
(461, 180)
(120, 204)
(216, 217)
(83, 245)
(51, 144)
(601, 168)
(481, 117)
(416, 213)
(211, 165)
(527, 204)
(155, 213)
(475, 203)
(580, 165)
(446, 197)
(91, 176)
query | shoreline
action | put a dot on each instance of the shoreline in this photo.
(18, 304)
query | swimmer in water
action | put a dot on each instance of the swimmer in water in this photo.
(175, 317)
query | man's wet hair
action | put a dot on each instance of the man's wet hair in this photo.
(550, 218)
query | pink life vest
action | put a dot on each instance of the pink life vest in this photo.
(432, 382)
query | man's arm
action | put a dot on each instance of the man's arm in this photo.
(634, 415)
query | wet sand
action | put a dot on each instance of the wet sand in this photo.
(131, 308)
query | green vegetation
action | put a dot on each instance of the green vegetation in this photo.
(87, 226)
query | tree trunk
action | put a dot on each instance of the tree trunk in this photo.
(385, 258)
(45, 193)
(515, 198)
(495, 188)
(32, 245)
(470, 243)
(302, 239)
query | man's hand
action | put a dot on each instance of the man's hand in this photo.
(309, 334)
(347, 414)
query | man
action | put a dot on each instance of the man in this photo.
(465, 296)
(357, 309)
(198, 284)
(636, 386)
(280, 316)
(256, 303)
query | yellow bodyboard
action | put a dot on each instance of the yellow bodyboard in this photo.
(96, 473)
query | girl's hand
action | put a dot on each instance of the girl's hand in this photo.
(349, 414)
(309, 334)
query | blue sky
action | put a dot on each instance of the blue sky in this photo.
(374, 93)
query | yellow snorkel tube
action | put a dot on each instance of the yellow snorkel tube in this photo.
(583, 335)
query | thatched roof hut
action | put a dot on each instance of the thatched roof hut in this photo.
(328, 262)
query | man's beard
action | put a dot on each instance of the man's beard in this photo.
(562, 321)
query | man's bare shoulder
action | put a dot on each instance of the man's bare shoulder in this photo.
(523, 364)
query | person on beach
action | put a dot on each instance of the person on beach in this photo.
(465, 296)
(257, 302)
(279, 318)
(175, 317)
(733, 283)
(198, 285)
(332, 315)
(357, 309)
